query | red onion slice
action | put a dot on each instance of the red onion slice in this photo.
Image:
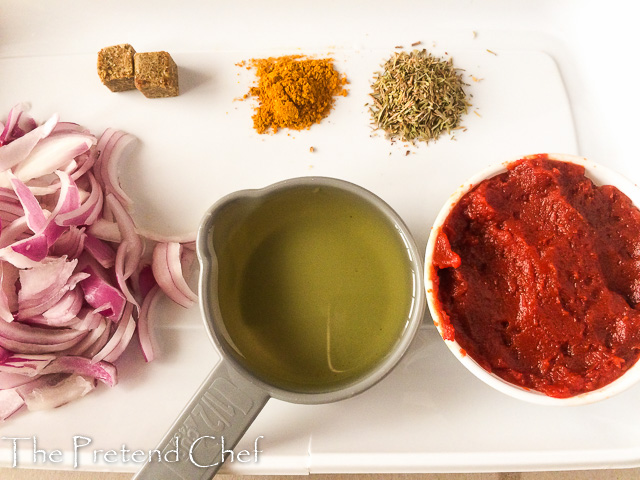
(18, 124)
(96, 338)
(27, 365)
(52, 153)
(146, 324)
(114, 145)
(103, 371)
(33, 211)
(10, 402)
(88, 212)
(24, 333)
(100, 250)
(120, 339)
(18, 150)
(101, 295)
(63, 313)
(167, 269)
(43, 286)
(12, 380)
(29, 348)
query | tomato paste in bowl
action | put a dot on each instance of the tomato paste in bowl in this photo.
(533, 279)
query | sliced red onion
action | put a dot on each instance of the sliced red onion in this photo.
(63, 313)
(108, 162)
(103, 371)
(52, 153)
(68, 195)
(18, 150)
(100, 250)
(12, 380)
(105, 230)
(146, 324)
(27, 252)
(8, 294)
(129, 251)
(101, 295)
(11, 210)
(18, 123)
(26, 347)
(88, 320)
(43, 286)
(23, 333)
(10, 402)
(186, 239)
(88, 212)
(120, 339)
(97, 338)
(51, 391)
(168, 272)
(70, 127)
(70, 243)
(64, 223)
(28, 365)
(33, 211)
(14, 232)
(146, 281)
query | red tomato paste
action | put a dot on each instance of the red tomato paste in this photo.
(538, 278)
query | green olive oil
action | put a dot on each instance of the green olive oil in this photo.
(315, 287)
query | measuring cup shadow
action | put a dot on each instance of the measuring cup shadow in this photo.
(232, 395)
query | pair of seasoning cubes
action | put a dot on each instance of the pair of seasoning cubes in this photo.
(155, 74)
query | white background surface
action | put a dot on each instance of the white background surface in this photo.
(562, 80)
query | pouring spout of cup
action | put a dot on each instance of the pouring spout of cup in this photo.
(192, 448)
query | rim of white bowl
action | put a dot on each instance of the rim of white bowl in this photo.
(600, 175)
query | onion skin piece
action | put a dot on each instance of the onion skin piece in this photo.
(52, 391)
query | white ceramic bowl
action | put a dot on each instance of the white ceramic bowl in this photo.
(600, 175)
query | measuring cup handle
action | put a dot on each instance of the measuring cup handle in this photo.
(209, 427)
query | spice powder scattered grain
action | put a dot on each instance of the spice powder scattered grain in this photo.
(293, 91)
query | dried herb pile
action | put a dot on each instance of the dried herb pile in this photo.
(293, 91)
(418, 97)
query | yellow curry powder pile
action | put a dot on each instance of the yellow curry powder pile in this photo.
(293, 91)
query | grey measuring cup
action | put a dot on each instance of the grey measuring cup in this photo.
(236, 390)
